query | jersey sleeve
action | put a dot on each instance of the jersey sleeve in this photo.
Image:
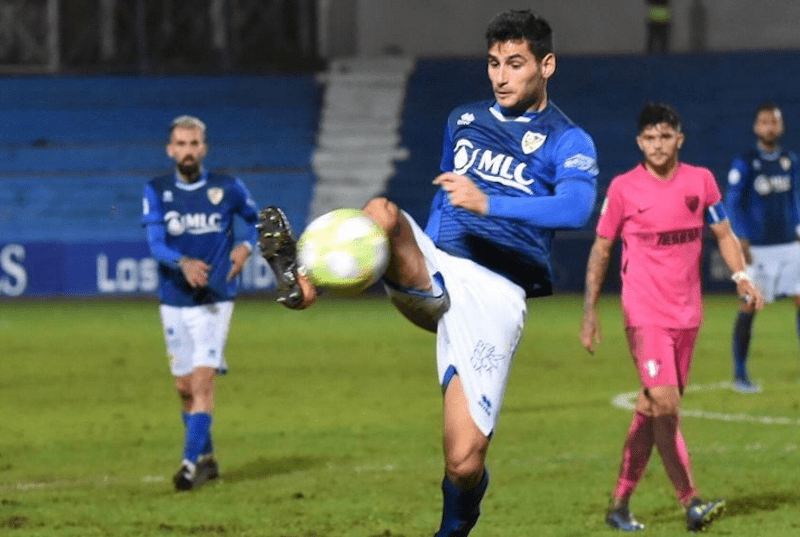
(738, 179)
(152, 213)
(153, 220)
(715, 208)
(568, 208)
(611, 213)
(447, 163)
(575, 157)
(713, 195)
(157, 240)
(247, 209)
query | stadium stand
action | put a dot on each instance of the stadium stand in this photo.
(75, 152)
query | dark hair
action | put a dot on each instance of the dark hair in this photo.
(656, 113)
(766, 106)
(521, 25)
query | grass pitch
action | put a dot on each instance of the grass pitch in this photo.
(329, 425)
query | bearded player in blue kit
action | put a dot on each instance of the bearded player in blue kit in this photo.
(763, 201)
(514, 170)
(189, 215)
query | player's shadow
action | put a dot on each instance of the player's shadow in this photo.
(262, 468)
(736, 506)
(768, 501)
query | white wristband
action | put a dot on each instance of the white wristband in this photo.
(739, 276)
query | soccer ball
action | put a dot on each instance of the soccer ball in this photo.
(343, 250)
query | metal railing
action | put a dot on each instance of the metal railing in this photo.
(157, 36)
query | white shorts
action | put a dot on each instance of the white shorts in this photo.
(776, 270)
(478, 335)
(196, 336)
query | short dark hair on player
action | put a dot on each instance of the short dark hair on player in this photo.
(657, 113)
(521, 25)
(767, 106)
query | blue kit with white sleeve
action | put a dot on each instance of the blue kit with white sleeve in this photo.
(196, 220)
(539, 171)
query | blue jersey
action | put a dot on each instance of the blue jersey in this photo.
(763, 196)
(518, 161)
(195, 220)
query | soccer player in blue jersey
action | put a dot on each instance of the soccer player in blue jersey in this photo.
(514, 170)
(763, 201)
(189, 216)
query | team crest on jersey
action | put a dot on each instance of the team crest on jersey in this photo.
(532, 141)
(693, 202)
(167, 196)
(466, 118)
(215, 195)
(786, 163)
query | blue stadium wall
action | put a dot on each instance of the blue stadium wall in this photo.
(76, 152)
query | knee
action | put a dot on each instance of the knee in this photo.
(202, 386)
(385, 213)
(664, 405)
(465, 464)
(184, 392)
(184, 388)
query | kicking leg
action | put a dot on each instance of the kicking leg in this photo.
(278, 247)
(421, 299)
(406, 266)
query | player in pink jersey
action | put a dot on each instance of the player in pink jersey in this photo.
(659, 209)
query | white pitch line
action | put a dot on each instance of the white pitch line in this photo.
(627, 401)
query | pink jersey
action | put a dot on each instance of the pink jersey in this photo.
(661, 226)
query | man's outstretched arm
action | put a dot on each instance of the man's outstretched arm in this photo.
(569, 207)
(731, 252)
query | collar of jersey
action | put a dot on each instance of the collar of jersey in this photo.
(771, 155)
(507, 114)
(194, 186)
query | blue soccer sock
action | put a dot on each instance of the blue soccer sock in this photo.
(198, 434)
(742, 331)
(208, 448)
(461, 508)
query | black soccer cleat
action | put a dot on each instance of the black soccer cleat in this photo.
(207, 470)
(185, 476)
(279, 247)
(700, 514)
(622, 519)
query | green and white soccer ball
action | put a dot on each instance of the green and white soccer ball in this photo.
(343, 250)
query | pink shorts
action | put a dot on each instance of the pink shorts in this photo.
(662, 356)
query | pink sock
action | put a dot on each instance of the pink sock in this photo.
(635, 455)
(675, 455)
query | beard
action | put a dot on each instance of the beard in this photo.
(189, 169)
